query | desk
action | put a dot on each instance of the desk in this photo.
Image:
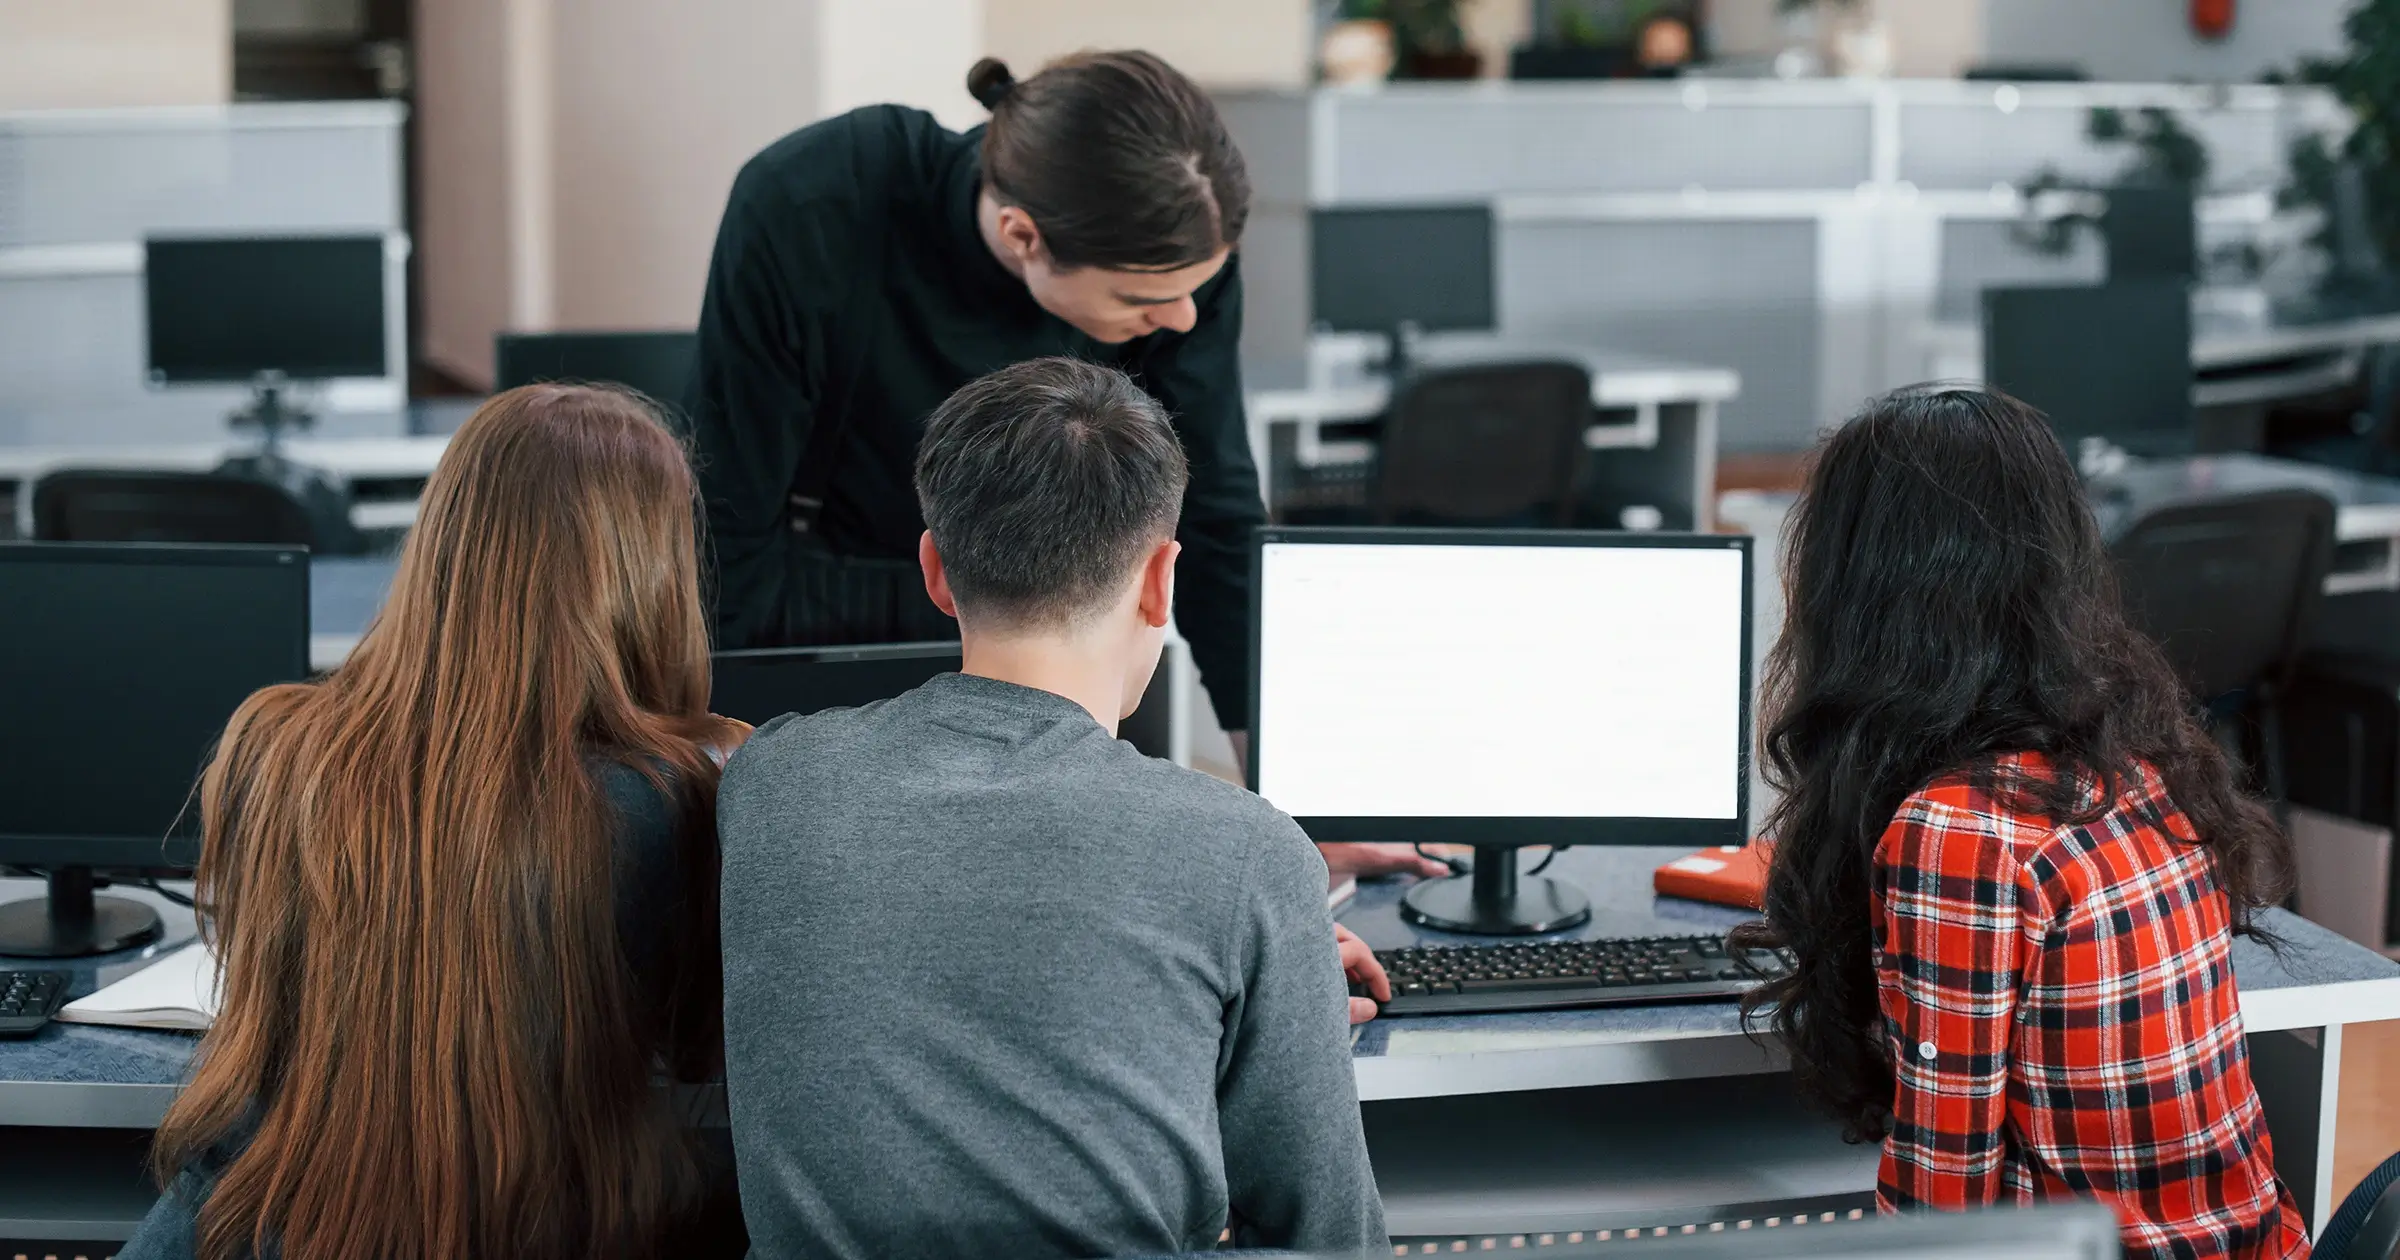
(1607, 1118)
(1659, 415)
(1573, 1101)
(2242, 357)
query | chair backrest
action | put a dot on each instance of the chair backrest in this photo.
(2228, 585)
(94, 505)
(2367, 1224)
(1494, 443)
(659, 364)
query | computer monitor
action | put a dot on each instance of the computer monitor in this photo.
(236, 309)
(2152, 233)
(2063, 1230)
(121, 663)
(758, 685)
(659, 364)
(1402, 270)
(1500, 689)
(2110, 365)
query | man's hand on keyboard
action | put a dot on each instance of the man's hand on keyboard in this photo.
(1358, 963)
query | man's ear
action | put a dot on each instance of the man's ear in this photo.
(1019, 233)
(1158, 584)
(937, 580)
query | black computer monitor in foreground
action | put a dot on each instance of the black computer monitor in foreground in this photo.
(2048, 1231)
(2108, 364)
(120, 663)
(238, 309)
(1398, 270)
(1502, 689)
(758, 685)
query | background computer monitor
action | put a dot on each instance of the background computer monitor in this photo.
(1389, 268)
(121, 663)
(2111, 363)
(238, 309)
(2152, 233)
(758, 685)
(1501, 689)
(659, 364)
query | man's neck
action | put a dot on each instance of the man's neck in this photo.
(1059, 666)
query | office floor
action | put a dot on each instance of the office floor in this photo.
(2368, 1130)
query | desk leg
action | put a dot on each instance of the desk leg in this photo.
(2299, 1078)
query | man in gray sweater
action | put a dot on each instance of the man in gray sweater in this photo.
(996, 983)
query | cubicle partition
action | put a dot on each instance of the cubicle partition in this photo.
(81, 189)
(1807, 235)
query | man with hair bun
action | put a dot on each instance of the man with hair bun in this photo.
(870, 264)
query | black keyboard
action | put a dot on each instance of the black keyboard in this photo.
(1476, 979)
(27, 999)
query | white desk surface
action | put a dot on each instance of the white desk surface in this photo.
(395, 457)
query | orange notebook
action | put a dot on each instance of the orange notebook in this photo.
(1726, 877)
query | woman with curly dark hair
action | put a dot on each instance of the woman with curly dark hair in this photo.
(2008, 859)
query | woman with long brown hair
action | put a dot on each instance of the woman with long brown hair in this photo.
(463, 889)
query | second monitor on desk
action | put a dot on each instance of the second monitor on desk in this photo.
(1501, 690)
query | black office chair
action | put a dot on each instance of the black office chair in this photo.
(1491, 444)
(659, 364)
(2367, 1224)
(2228, 586)
(93, 505)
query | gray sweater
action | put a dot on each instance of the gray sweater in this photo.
(998, 984)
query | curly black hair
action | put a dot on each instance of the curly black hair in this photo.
(1949, 601)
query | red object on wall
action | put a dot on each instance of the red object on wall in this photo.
(2213, 19)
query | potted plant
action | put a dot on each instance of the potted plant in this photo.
(1428, 41)
(2353, 181)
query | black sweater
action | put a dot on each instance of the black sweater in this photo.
(852, 286)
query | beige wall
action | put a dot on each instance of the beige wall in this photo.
(1222, 43)
(908, 52)
(657, 107)
(77, 54)
(463, 224)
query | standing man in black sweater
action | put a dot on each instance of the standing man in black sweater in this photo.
(870, 264)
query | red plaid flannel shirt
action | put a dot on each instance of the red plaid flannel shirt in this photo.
(2059, 1006)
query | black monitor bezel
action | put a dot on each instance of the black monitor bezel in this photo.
(1694, 833)
(159, 376)
(168, 852)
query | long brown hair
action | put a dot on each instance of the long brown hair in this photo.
(430, 1041)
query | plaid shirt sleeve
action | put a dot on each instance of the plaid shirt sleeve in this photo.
(1953, 949)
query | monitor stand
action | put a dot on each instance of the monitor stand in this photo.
(325, 498)
(1494, 900)
(72, 923)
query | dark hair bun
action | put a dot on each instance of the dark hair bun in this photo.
(989, 82)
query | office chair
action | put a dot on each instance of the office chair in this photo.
(93, 505)
(1490, 444)
(659, 364)
(2227, 586)
(2367, 1224)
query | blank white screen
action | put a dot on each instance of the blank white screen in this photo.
(1402, 681)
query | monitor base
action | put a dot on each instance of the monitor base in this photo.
(1493, 900)
(72, 923)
